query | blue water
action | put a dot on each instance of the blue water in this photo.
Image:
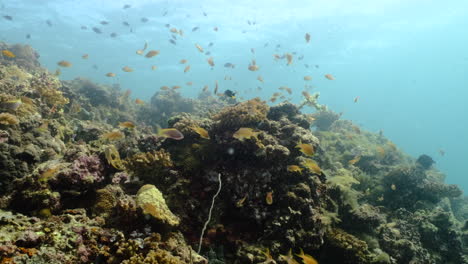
(406, 59)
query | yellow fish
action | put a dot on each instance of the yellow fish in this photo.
(289, 258)
(312, 166)
(307, 149)
(245, 133)
(294, 168)
(269, 198)
(110, 74)
(307, 259)
(202, 132)
(8, 54)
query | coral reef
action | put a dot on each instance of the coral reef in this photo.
(85, 178)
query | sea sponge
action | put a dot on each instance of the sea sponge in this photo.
(152, 202)
(244, 114)
(8, 119)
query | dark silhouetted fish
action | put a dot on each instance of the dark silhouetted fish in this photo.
(205, 14)
(248, 22)
(211, 44)
(317, 66)
(306, 65)
(194, 29)
(84, 27)
(278, 46)
(207, 53)
(95, 67)
(265, 45)
(294, 53)
(8, 17)
(165, 13)
(229, 65)
(127, 6)
(125, 23)
(113, 35)
(172, 41)
(168, 25)
(244, 31)
(28, 36)
(144, 19)
(48, 22)
(300, 57)
(174, 37)
(97, 30)
(104, 23)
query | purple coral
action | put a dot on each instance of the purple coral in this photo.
(87, 169)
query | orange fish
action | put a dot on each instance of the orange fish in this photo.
(287, 89)
(127, 69)
(289, 58)
(154, 67)
(152, 53)
(139, 102)
(189, 83)
(85, 56)
(210, 61)
(64, 63)
(307, 37)
(253, 66)
(174, 30)
(329, 77)
(199, 48)
(164, 88)
(307, 78)
(110, 74)
(355, 160)
(8, 54)
(175, 87)
(183, 61)
(187, 68)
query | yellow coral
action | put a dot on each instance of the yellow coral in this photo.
(8, 119)
(113, 157)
